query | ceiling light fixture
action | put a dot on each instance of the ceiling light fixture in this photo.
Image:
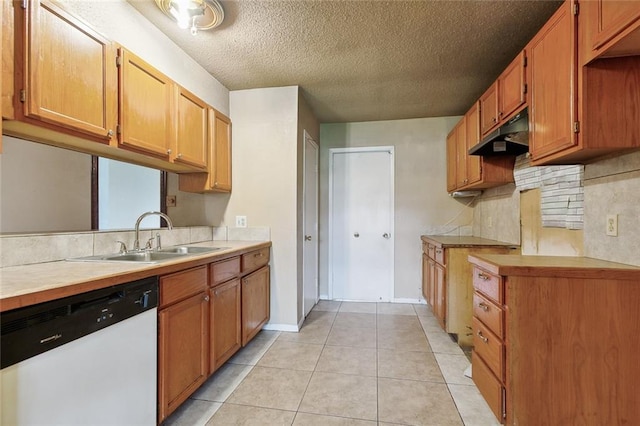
(194, 14)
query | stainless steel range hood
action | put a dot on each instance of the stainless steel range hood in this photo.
(510, 139)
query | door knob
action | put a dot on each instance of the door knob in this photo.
(356, 235)
(307, 237)
(385, 235)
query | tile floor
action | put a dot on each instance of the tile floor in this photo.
(351, 364)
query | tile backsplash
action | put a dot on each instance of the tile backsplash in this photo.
(27, 249)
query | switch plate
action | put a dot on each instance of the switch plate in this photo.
(171, 200)
(241, 221)
(612, 225)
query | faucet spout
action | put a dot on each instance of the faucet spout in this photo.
(136, 243)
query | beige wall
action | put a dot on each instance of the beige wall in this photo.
(265, 182)
(422, 204)
(610, 187)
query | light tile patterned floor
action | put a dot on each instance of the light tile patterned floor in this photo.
(351, 364)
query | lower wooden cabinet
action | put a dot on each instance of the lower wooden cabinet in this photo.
(183, 326)
(225, 326)
(255, 303)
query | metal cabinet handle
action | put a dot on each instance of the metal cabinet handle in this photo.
(482, 276)
(168, 151)
(484, 339)
(356, 235)
(307, 237)
(206, 298)
(483, 306)
(110, 133)
(179, 155)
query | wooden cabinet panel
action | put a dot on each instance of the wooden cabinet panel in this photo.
(440, 290)
(489, 347)
(452, 160)
(489, 313)
(255, 259)
(488, 284)
(461, 153)
(612, 18)
(425, 275)
(8, 27)
(192, 140)
(225, 326)
(183, 345)
(225, 270)
(489, 109)
(511, 87)
(69, 72)
(490, 387)
(552, 69)
(221, 153)
(182, 284)
(255, 303)
(472, 122)
(146, 107)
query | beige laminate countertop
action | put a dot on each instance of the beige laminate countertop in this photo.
(461, 241)
(555, 266)
(30, 284)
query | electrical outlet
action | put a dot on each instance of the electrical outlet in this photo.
(241, 221)
(612, 225)
(171, 200)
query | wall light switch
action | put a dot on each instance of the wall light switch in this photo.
(241, 221)
(612, 225)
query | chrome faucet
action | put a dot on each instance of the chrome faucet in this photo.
(136, 243)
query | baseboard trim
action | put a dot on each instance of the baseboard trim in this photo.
(281, 327)
(407, 300)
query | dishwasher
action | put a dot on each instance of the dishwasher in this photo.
(87, 359)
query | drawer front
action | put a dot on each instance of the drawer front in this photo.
(488, 284)
(488, 385)
(225, 270)
(182, 284)
(489, 347)
(255, 259)
(439, 253)
(489, 313)
(431, 251)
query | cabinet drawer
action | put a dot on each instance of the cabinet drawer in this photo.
(490, 314)
(489, 347)
(225, 270)
(255, 259)
(183, 284)
(439, 255)
(488, 284)
(488, 385)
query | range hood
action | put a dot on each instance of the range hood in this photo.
(510, 139)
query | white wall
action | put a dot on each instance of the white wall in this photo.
(265, 145)
(422, 204)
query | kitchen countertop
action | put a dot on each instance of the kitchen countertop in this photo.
(445, 241)
(555, 266)
(31, 284)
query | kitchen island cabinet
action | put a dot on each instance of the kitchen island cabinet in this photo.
(446, 280)
(553, 339)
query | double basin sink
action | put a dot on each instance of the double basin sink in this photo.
(149, 256)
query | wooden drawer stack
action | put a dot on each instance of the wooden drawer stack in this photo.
(489, 359)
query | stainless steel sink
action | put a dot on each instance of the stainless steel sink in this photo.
(189, 249)
(145, 256)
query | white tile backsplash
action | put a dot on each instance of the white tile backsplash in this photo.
(27, 249)
(257, 233)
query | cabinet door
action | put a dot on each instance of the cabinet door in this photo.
(8, 59)
(221, 153)
(461, 153)
(192, 139)
(431, 284)
(425, 277)
(225, 325)
(69, 71)
(511, 87)
(255, 303)
(183, 349)
(473, 137)
(452, 160)
(611, 18)
(489, 109)
(552, 63)
(440, 307)
(146, 107)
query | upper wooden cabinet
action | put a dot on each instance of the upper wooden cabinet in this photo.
(146, 107)
(594, 109)
(472, 133)
(452, 159)
(612, 28)
(218, 177)
(67, 73)
(192, 140)
(505, 96)
(461, 153)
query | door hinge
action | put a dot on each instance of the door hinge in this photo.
(576, 8)
(23, 95)
(576, 127)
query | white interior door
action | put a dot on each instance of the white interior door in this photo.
(310, 243)
(361, 224)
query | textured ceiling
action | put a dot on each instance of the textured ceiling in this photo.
(364, 60)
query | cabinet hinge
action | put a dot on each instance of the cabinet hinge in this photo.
(23, 4)
(525, 88)
(118, 60)
(23, 95)
(118, 129)
(576, 127)
(524, 62)
(576, 8)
